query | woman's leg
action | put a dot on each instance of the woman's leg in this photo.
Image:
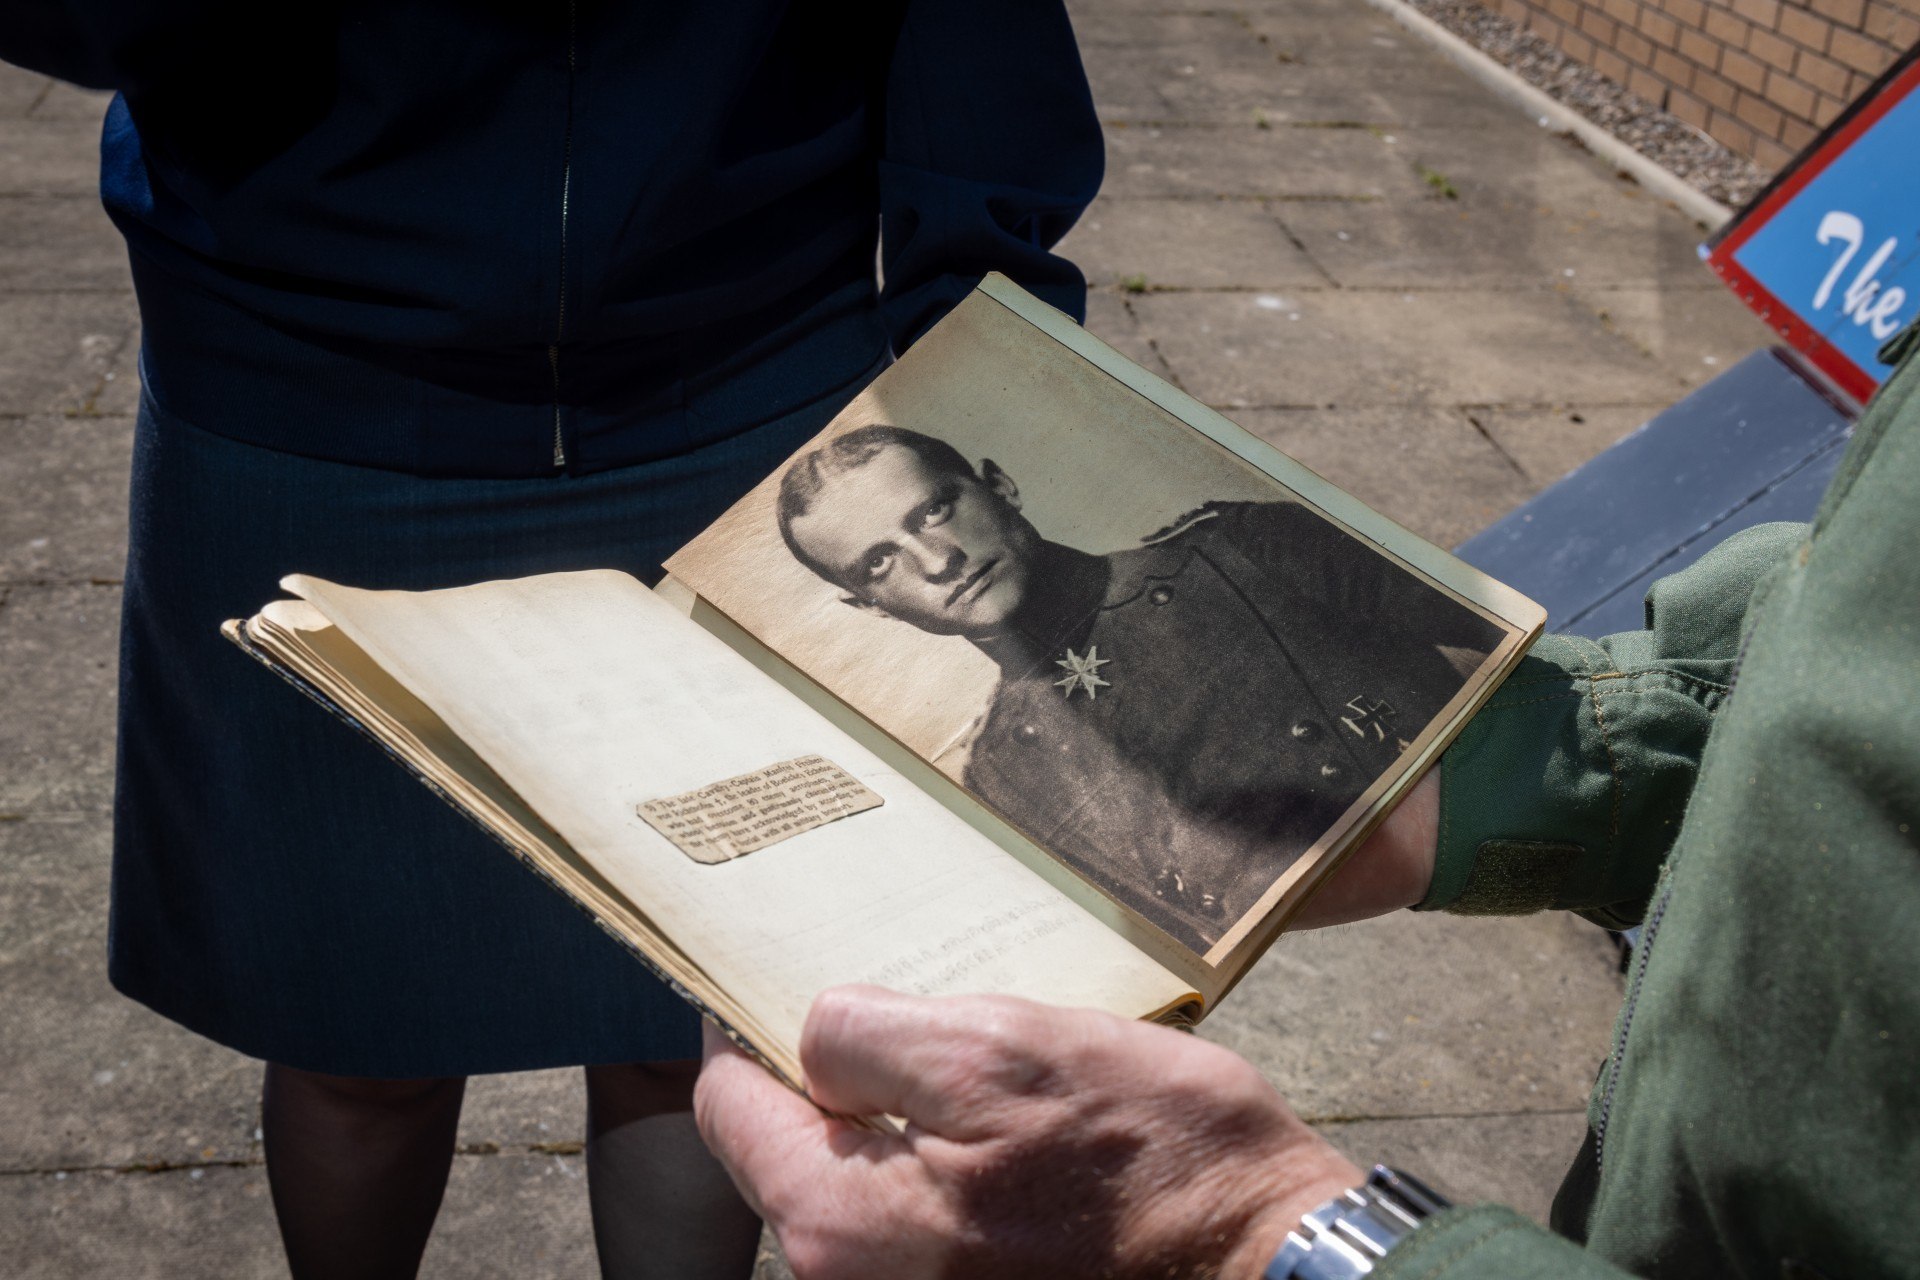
(357, 1168)
(663, 1208)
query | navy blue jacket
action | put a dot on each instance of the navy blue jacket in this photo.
(467, 238)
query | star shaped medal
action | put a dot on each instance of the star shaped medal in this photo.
(1082, 673)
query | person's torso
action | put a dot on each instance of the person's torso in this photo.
(1760, 1115)
(459, 211)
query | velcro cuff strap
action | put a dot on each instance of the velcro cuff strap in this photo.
(1514, 877)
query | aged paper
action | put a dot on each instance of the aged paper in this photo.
(733, 817)
(588, 695)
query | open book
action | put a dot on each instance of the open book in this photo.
(1029, 675)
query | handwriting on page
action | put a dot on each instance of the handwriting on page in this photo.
(733, 817)
(945, 966)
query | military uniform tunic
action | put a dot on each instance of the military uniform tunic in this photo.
(1249, 673)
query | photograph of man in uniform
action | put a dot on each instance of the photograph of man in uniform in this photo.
(1179, 719)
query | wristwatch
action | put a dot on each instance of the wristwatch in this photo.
(1349, 1234)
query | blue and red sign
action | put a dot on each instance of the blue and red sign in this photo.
(1829, 255)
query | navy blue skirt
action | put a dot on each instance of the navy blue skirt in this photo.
(281, 886)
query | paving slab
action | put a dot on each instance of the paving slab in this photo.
(1515, 1160)
(1516, 159)
(1323, 97)
(75, 527)
(1358, 38)
(1431, 96)
(1548, 442)
(1244, 160)
(511, 1216)
(1498, 239)
(1464, 484)
(1353, 347)
(20, 89)
(525, 1109)
(60, 242)
(49, 157)
(1105, 27)
(1110, 318)
(526, 1216)
(93, 1079)
(1085, 12)
(1483, 1016)
(118, 394)
(1314, 62)
(1235, 80)
(1695, 334)
(58, 665)
(57, 348)
(518, 1216)
(65, 101)
(177, 1225)
(773, 1264)
(1188, 244)
(1280, 93)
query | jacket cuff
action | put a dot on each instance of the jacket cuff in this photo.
(940, 234)
(1525, 791)
(1568, 788)
(1489, 1242)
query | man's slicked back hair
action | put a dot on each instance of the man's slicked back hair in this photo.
(808, 476)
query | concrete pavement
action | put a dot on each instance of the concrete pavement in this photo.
(1310, 221)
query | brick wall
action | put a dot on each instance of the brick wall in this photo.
(1762, 76)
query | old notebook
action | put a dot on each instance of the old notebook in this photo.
(1029, 675)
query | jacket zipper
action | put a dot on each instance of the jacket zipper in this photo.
(1662, 893)
(1648, 930)
(566, 193)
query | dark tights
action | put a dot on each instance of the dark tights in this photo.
(693, 1225)
(358, 1168)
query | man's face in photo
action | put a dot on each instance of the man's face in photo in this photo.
(949, 553)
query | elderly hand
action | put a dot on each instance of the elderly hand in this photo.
(1041, 1143)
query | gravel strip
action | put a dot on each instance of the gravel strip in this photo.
(1664, 139)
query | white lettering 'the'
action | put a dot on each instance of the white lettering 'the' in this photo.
(1863, 299)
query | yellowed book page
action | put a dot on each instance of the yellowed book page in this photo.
(591, 697)
(296, 639)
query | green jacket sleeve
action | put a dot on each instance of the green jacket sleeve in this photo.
(1567, 789)
(1481, 1241)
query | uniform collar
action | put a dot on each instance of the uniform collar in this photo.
(1068, 588)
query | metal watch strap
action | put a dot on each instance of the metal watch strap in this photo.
(1349, 1234)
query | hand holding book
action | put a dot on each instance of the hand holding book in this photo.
(1144, 1152)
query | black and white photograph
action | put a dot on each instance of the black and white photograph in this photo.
(1179, 688)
